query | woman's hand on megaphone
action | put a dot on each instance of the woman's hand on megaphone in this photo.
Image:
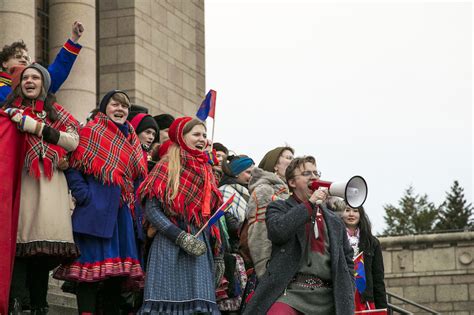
(319, 196)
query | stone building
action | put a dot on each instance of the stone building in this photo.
(152, 49)
(434, 270)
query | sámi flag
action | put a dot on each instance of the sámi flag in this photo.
(220, 212)
(359, 272)
(208, 106)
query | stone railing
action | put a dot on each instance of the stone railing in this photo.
(436, 270)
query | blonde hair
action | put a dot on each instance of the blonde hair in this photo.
(121, 98)
(173, 157)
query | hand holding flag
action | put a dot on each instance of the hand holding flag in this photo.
(219, 213)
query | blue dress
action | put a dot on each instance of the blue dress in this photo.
(104, 232)
(176, 282)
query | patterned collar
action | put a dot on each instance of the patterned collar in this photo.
(5, 78)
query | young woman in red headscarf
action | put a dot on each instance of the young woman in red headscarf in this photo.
(180, 195)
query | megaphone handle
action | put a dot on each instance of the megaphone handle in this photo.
(319, 202)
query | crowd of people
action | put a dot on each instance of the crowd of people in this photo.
(142, 187)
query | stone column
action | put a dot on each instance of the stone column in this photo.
(17, 21)
(78, 93)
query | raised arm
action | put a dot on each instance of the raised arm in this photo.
(62, 64)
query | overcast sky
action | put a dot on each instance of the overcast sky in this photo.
(383, 90)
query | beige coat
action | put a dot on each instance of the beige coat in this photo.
(44, 225)
(264, 188)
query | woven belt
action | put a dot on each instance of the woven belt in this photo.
(310, 281)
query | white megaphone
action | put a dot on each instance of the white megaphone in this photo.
(354, 191)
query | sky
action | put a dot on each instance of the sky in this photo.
(377, 89)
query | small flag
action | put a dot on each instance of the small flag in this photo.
(220, 212)
(359, 272)
(208, 106)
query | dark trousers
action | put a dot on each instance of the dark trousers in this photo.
(87, 296)
(30, 279)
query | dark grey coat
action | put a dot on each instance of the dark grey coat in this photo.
(286, 221)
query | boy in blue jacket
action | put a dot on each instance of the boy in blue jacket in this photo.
(17, 54)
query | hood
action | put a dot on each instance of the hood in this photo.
(259, 177)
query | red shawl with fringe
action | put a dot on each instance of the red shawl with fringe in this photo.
(35, 145)
(192, 196)
(113, 158)
(12, 145)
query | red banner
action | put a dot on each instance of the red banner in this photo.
(12, 145)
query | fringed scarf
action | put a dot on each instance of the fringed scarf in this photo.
(197, 193)
(36, 148)
(110, 156)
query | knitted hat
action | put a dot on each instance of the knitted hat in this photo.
(44, 74)
(17, 73)
(105, 100)
(134, 108)
(240, 164)
(164, 121)
(141, 122)
(220, 147)
(271, 158)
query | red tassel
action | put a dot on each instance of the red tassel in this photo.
(34, 168)
(48, 168)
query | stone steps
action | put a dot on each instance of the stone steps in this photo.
(59, 302)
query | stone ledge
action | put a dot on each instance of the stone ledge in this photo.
(395, 242)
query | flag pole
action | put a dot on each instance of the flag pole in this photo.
(202, 229)
(213, 125)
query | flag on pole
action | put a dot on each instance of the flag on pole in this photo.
(208, 106)
(359, 272)
(220, 212)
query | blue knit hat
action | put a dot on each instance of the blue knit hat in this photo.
(240, 164)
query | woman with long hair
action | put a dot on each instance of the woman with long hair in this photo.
(180, 195)
(44, 237)
(359, 233)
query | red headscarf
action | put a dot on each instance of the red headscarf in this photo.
(197, 193)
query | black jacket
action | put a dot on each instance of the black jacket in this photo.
(374, 272)
(286, 221)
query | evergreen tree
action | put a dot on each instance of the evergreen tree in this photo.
(414, 214)
(455, 213)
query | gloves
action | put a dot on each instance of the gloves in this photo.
(15, 114)
(191, 244)
(219, 268)
(28, 124)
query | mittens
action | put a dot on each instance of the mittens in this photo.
(219, 268)
(191, 244)
(28, 124)
(14, 113)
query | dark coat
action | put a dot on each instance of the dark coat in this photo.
(374, 272)
(286, 221)
(97, 204)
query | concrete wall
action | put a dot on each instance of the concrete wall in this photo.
(435, 270)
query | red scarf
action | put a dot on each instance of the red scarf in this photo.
(316, 245)
(113, 158)
(35, 146)
(197, 193)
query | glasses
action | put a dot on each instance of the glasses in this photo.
(24, 57)
(309, 173)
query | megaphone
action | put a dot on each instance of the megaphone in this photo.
(354, 191)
